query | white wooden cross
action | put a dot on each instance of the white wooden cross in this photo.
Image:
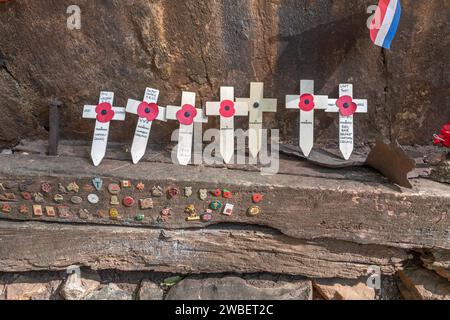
(187, 114)
(257, 106)
(227, 109)
(306, 102)
(148, 111)
(346, 121)
(103, 113)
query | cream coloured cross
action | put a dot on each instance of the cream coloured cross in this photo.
(144, 126)
(306, 135)
(346, 143)
(186, 132)
(101, 133)
(257, 106)
(227, 122)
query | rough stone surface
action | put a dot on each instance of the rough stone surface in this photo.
(76, 287)
(338, 289)
(441, 172)
(109, 292)
(150, 291)
(125, 46)
(29, 288)
(422, 284)
(234, 288)
(438, 261)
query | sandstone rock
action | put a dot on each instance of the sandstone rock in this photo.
(421, 284)
(441, 172)
(338, 289)
(438, 261)
(28, 288)
(229, 42)
(76, 287)
(109, 292)
(150, 291)
(234, 288)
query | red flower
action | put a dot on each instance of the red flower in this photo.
(227, 194)
(148, 111)
(105, 113)
(346, 105)
(306, 102)
(257, 197)
(444, 137)
(217, 193)
(227, 109)
(186, 114)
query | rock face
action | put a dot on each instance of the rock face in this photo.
(76, 287)
(109, 292)
(234, 288)
(150, 291)
(343, 289)
(29, 288)
(422, 284)
(200, 45)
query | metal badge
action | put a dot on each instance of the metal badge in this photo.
(139, 217)
(50, 211)
(73, 187)
(97, 183)
(203, 194)
(46, 187)
(37, 210)
(128, 201)
(62, 189)
(253, 211)
(88, 188)
(206, 216)
(38, 197)
(187, 192)
(227, 194)
(76, 200)
(6, 208)
(146, 203)
(93, 198)
(83, 214)
(140, 186)
(114, 214)
(215, 205)
(114, 188)
(63, 211)
(157, 191)
(26, 195)
(100, 214)
(126, 184)
(192, 212)
(228, 209)
(257, 198)
(114, 201)
(58, 198)
(172, 192)
(24, 209)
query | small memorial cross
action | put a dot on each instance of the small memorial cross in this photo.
(227, 109)
(347, 107)
(104, 113)
(148, 111)
(306, 102)
(186, 115)
(257, 105)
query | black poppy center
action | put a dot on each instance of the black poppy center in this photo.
(227, 108)
(256, 105)
(307, 101)
(104, 112)
(187, 114)
(346, 105)
(147, 110)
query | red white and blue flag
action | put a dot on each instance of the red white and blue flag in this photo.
(385, 22)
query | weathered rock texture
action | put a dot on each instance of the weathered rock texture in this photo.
(177, 45)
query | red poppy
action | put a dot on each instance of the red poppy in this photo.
(227, 194)
(227, 109)
(148, 111)
(186, 114)
(444, 137)
(306, 102)
(346, 105)
(217, 193)
(105, 113)
(257, 197)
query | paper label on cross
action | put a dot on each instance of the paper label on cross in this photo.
(148, 111)
(257, 105)
(227, 109)
(346, 106)
(306, 103)
(103, 113)
(186, 115)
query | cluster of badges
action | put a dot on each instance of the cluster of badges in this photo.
(219, 200)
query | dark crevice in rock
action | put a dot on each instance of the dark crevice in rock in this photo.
(4, 66)
(387, 109)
